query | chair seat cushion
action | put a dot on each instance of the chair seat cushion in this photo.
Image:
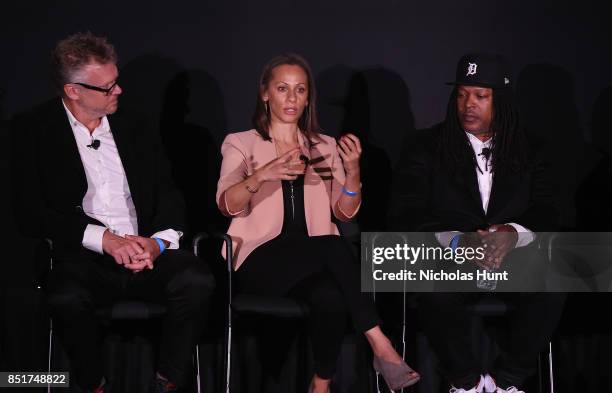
(490, 306)
(269, 306)
(132, 310)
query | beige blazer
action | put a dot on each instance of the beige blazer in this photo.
(262, 219)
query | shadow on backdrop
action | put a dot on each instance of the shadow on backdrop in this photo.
(144, 81)
(593, 209)
(373, 104)
(186, 108)
(192, 124)
(546, 100)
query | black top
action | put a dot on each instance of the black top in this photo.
(294, 222)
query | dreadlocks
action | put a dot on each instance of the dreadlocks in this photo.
(508, 143)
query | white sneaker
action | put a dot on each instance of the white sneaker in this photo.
(511, 389)
(476, 389)
(489, 384)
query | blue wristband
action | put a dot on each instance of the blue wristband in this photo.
(350, 193)
(161, 244)
(455, 242)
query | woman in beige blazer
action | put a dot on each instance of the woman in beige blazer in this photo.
(281, 182)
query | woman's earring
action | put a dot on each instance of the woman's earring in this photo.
(267, 108)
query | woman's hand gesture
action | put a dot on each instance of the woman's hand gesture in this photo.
(349, 149)
(286, 167)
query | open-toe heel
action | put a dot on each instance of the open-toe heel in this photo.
(396, 375)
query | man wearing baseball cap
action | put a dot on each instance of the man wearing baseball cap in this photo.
(474, 181)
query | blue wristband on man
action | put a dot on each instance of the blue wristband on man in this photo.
(161, 244)
(455, 241)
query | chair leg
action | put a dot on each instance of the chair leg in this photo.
(550, 368)
(50, 352)
(228, 360)
(198, 381)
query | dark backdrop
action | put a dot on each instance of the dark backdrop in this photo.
(380, 69)
(419, 42)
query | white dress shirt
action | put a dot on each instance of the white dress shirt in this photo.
(108, 198)
(485, 182)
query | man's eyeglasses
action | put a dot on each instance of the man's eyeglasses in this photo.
(106, 91)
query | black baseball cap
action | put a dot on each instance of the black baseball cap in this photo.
(482, 69)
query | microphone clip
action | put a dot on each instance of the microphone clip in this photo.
(95, 144)
(486, 153)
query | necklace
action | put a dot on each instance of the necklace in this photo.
(291, 189)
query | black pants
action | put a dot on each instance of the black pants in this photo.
(322, 272)
(77, 287)
(531, 322)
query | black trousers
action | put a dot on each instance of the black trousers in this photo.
(77, 287)
(531, 322)
(322, 272)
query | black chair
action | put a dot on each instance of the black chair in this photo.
(247, 305)
(121, 311)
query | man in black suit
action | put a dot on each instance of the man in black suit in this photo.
(474, 181)
(97, 184)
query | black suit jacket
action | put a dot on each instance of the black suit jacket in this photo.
(49, 180)
(429, 197)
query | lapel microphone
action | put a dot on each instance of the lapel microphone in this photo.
(486, 153)
(95, 144)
